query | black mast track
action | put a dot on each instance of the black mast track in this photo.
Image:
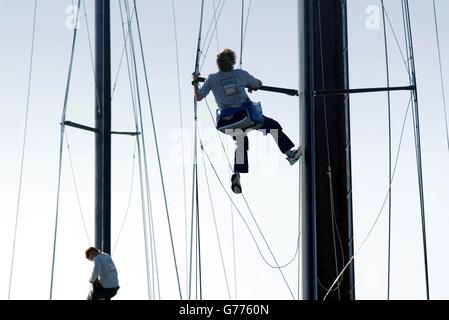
(328, 229)
(103, 126)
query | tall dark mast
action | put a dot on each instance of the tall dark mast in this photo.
(324, 63)
(103, 126)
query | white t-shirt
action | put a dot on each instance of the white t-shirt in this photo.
(105, 271)
(229, 87)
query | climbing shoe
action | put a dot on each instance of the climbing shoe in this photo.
(235, 186)
(293, 155)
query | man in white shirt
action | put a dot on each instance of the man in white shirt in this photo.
(104, 276)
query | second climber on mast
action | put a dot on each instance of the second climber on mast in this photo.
(237, 114)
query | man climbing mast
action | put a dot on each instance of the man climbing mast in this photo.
(237, 114)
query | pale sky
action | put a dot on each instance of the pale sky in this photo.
(271, 187)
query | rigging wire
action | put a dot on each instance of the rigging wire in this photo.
(248, 206)
(144, 184)
(145, 180)
(243, 29)
(194, 182)
(298, 241)
(326, 288)
(415, 106)
(387, 66)
(365, 239)
(131, 188)
(246, 224)
(437, 34)
(233, 234)
(22, 161)
(215, 9)
(122, 55)
(198, 241)
(247, 19)
(195, 150)
(61, 144)
(230, 171)
(265, 260)
(182, 130)
(404, 60)
(97, 96)
(210, 41)
(114, 87)
(241, 34)
(216, 226)
(157, 147)
(213, 22)
(216, 33)
(76, 188)
(277, 266)
(301, 139)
